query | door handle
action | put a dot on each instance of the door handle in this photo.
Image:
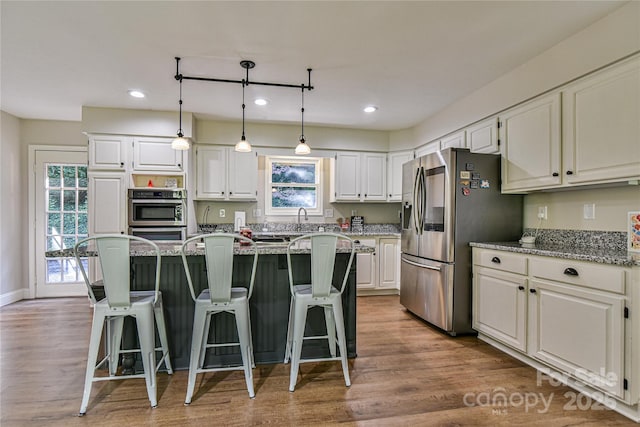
(495, 259)
(570, 271)
(428, 267)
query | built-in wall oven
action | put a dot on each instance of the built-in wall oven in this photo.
(157, 213)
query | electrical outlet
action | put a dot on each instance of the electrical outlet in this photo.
(589, 211)
(542, 212)
(328, 213)
(354, 212)
(257, 213)
(222, 213)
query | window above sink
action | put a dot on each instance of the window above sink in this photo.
(292, 183)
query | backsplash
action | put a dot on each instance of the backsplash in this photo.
(611, 240)
(275, 227)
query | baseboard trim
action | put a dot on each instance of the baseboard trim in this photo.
(13, 296)
(382, 291)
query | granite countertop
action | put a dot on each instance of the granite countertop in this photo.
(173, 249)
(558, 250)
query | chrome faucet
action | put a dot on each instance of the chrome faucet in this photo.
(306, 218)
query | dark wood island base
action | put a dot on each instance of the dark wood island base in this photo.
(269, 306)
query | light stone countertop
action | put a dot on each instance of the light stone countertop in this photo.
(173, 249)
(578, 253)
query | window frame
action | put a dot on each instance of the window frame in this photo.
(275, 211)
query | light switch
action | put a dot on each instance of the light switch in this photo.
(590, 211)
(222, 213)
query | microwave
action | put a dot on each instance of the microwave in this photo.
(157, 208)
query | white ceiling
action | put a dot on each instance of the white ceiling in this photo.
(410, 59)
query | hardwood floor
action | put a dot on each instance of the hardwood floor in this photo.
(406, 373)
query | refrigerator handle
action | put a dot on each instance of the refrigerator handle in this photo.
(416, 204)
(420, 265)
(423, 197)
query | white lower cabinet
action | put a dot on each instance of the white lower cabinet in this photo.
(570, 316)
(500, 306)
(379, 272)
(366, 267)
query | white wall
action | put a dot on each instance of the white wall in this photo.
(13, 225)
(607, 40)
(117, 121)
(286, 136)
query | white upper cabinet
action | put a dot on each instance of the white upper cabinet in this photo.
(107, 203)
(108, 152)
(242, 176)
(156, 154)
(374, 177)
(428, 148)
(394, 174)
(601, 122)
(214, 180)
(531, 148)
(455, 140)
(483, 137)
(360, 177)
(347, 176)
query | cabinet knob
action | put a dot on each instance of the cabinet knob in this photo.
(533, 291)
(521, 288)
(179, 165)
(570, 271)
(230, 192)
(358, 194)
(122, 164)
(223, 193)
(389, 195)
(569, 172)
(365, 195)
(555, 174)
(495, 259)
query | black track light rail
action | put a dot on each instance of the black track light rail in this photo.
(245, 82)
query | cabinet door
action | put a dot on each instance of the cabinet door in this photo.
(243, 175)
(483, 137)
(579, 331)
(374, 177)
(456, 140)
(601, 126)
(429, 148)
(347, 176)
(389, 258)
(394, 174)
(211, 172)
(500, 306)
(156, 154)
(107, 203)
(531, 148)
(366, 267)
(107, 152)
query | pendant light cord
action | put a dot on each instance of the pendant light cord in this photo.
(302, 111)
(180, 135)
(243, 85)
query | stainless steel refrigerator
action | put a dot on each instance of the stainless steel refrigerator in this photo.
(450, 198)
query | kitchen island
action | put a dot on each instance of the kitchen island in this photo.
(269, 303)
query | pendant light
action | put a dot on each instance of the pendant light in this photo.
(180, 143)
(302, 148)
(243, 145)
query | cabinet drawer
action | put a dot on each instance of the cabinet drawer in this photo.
(597, 276)
(501, 260)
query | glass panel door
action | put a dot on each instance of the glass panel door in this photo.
(61, 220)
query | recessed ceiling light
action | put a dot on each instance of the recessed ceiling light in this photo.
(136, 94)
(261, 101)
(370, 109)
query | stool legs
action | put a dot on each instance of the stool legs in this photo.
(162, 332)
(342, 341)
(244, 331)
(300, 317)
(198, 343)
(94, 345)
